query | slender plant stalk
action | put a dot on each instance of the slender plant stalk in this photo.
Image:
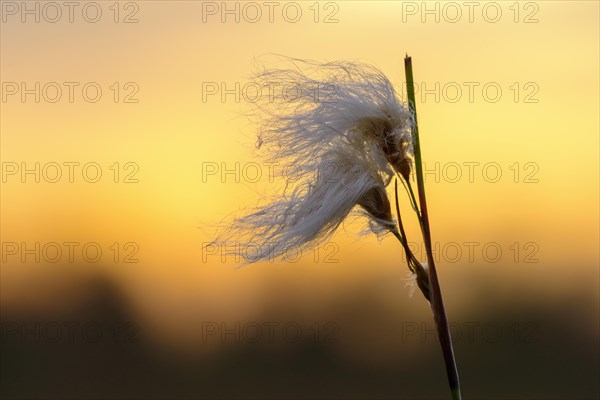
(413, 201)
(437, 304)
(402, 237)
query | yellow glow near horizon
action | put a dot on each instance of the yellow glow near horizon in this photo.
(542, 132)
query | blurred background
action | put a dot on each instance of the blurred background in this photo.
(124, 146)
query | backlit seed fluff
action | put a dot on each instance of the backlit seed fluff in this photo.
(315, 208)
(419, 278)
(346, 132)
(313, 105)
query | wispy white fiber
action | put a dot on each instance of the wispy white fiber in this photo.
(311, 212)
(412, 279)
(311, 106)
(346, 132)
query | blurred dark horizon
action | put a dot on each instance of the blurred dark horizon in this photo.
(509, 349)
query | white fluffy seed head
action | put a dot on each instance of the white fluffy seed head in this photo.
(312, 105)
(345, 130)
(314, 209)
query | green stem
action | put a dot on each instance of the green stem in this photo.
(409, 190)
(437, 304)
(415, 207)
(402, 234)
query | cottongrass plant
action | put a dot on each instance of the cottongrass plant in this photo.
(349, 136)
